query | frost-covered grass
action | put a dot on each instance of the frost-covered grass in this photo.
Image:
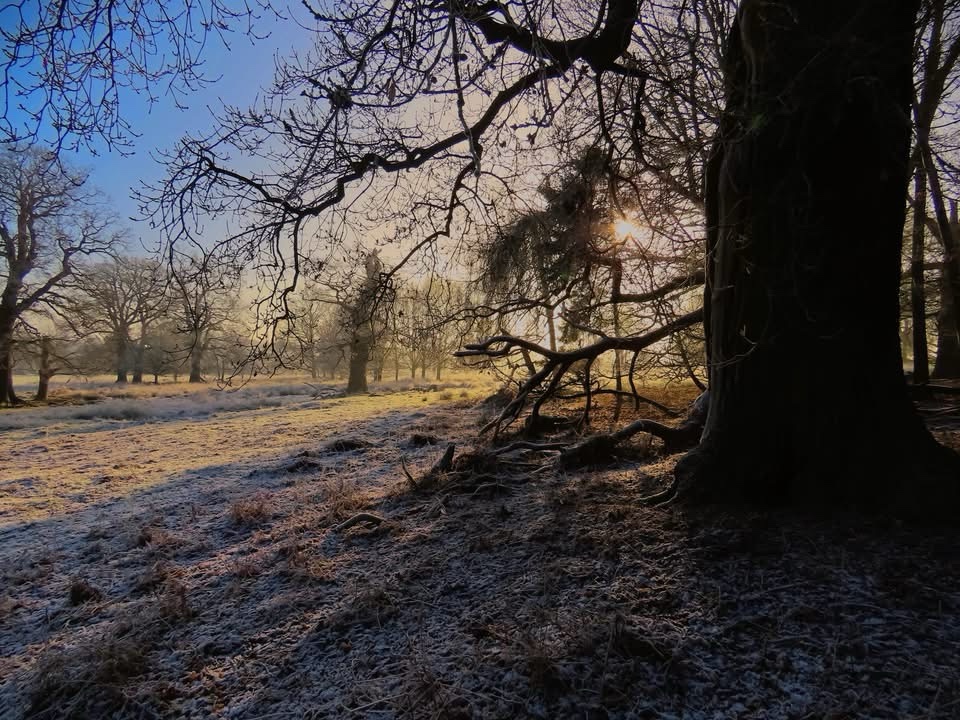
(98, 441)
(199, 569)
(95, 401)
(73, 402)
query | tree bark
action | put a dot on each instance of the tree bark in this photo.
(7, 394)
(359, 357)
(814, 133)
(137, 378)
(120, 348)
(196, 376)
(45, 372)
(43, 387)
(947, 364)
(551, 328)
(918, 302)
(196, 359)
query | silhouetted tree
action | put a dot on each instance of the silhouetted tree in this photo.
(47, 222)
(816, 123)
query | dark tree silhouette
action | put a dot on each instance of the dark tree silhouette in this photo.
(805, 216)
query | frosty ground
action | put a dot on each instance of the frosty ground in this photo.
(174, 552)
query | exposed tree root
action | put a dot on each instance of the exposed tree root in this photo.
(434, 474)
(916, 481)
(528, 445)
(667, 495)
(363, 517)
(491, 467)
(470, 472)
(598, 448)
(537, 424)
(928, 391)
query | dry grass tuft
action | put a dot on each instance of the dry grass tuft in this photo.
(82, 592)
(173, 603)
(251, 511)
(368, 604)
(341, 498)
(157, 575)
(8, 606)
(248, 567)
(153, 537)
(88, 680)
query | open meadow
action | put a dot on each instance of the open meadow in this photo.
(177, 551)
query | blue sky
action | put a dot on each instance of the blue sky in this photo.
(241, 72)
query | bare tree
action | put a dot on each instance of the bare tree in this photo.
(47, 222)
(363, 316)
(122, 298)
(202, 304)
(935, 111)
(160, 355)
(51, 352)
(67, 65)
(794, 278)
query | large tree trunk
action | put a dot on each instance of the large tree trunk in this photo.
(196, 359)
(196, 376)
(918, 304)
(45, 371)
(947, 364)
(7, 394)
(552, 327)
(805, 209)
(138, 364)
(43, 386)
(120, 348)
(359, 357)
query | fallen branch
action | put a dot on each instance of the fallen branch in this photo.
(598, 448)
(363, 517)
(557, 362)
(528, 445)
(403, 464)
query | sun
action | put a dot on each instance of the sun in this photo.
(624, 229)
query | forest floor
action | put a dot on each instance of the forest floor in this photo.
(180, 556)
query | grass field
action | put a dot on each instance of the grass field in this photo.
(178, 551)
